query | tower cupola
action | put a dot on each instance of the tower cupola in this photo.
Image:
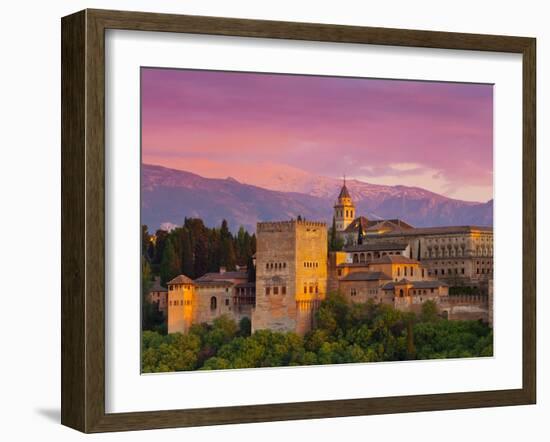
(344, 209)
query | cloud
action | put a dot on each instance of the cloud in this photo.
(432, 132)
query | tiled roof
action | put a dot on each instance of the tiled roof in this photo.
(377, 224)
(353, 264)
(181, 279)
(393, 259)
(375, 247)
(418, 231)
(223, 276)
(344, 193)
(213, 282)
(415, 284)
(429, 284)
(365, 276)
(354, 225)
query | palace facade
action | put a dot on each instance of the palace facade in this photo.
(383, 261)
(462, 256)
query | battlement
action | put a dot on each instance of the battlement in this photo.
(286, 226)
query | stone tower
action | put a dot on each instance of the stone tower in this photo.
(344, 210)
(181, 304)
(291, 274)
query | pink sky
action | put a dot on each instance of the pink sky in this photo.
(428, 134)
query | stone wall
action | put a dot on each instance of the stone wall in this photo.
(466, 307)
(181, 307)
(291, 274)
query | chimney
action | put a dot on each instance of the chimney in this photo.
(222, 269)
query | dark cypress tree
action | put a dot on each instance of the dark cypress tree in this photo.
(200, 243)
(145, 240)
(201, 263)
(186, 254)
(169, 267)
(228, 258)
(332, 243)
(360, 236)
(214, 250)
(161, 236)
(251, 269)
(253, 244)
(227, 255)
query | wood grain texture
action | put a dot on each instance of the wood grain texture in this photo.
(73, 253)
(529, 221)
(83, 220)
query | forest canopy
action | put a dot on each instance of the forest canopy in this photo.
(344, 333)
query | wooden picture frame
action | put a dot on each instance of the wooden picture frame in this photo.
(83, 220)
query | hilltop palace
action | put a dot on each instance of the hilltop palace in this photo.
(386, 261)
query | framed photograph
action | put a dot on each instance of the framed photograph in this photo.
(268, 220)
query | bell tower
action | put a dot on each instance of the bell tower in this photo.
(344, 209)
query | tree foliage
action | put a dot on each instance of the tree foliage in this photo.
(344, 333)
(335, 243)
(193, 249)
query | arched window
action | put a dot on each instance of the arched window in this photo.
(355, 258)
(213, 303)
(398, 271)
(412, 271)
(400, 293)
(362, 257)
(404, 271)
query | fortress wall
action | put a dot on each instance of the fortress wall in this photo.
(223, 304)
(275, 246)
(290, 254)
(334, 259)
(311, 272)
(181, 314)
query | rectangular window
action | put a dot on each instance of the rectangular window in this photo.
(267, 290)
(275, 290)
(283, 290)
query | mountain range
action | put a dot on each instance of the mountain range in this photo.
(170, 195)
